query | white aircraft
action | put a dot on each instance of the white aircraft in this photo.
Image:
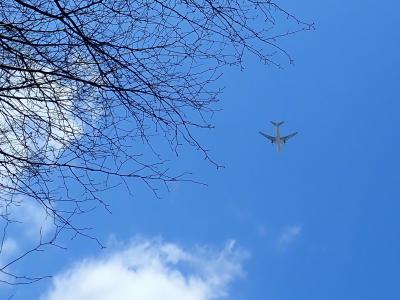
(278, 139)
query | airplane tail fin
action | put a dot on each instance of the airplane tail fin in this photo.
(277, 123)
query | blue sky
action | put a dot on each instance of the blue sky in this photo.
(318, 221)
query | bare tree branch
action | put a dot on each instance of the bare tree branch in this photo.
(88, 88)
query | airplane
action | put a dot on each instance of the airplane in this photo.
(278, 139)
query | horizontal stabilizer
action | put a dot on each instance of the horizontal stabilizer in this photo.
(277, 123)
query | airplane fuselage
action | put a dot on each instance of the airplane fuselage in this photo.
(278, 141)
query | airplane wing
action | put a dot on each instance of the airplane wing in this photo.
(271, 138)
(286, 138)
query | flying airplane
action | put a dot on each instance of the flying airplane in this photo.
(278, 139)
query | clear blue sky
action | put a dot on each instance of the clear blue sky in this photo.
(320, 220)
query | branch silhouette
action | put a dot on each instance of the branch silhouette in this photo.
(89, 89)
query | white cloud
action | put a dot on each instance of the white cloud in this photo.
(28, 218)
(35, 124)
(33, 219)
(36, 130)
(151, 270)
(32, 225)
(8, 248)
(288, 236)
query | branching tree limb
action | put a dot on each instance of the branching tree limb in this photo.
(85, 84)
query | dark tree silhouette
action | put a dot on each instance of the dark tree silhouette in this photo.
(87, 88)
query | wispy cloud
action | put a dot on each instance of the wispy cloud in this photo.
(25, 225)
(8, 248)
(151, 270)
(288, 236)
